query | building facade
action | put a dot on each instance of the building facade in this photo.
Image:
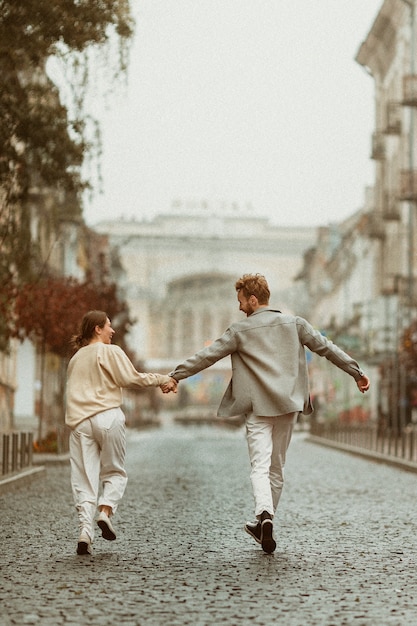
(389, 55)
(180, 269)
(361, 275)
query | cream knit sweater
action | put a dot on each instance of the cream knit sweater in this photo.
(95, 378)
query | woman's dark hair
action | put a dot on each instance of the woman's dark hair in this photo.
(88, 325)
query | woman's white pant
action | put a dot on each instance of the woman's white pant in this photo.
(268, 440)
(97, 457)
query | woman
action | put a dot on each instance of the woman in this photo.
(96, 375)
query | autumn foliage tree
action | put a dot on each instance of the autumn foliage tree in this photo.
(408, 349)
(49, 312)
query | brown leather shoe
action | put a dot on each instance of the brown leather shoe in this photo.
(268, 542)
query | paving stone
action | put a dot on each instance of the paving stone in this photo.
(346, 552)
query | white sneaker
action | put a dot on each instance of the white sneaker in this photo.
(84, 544)
(107, 530)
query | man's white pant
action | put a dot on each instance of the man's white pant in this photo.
(97, 456)
(268, 440)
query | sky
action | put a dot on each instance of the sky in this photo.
(254, 102)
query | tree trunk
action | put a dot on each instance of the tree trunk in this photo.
(41, 397)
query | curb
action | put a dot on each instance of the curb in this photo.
(46, 458)
(378, 457)
(20, 479)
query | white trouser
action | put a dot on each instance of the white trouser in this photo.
(268, 440)
(97, 456)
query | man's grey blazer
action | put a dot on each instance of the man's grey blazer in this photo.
(269, 368)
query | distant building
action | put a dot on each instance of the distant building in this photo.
(388, 54)
(180, 269)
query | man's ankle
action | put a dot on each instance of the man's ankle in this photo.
(104, 508)
(265, 515)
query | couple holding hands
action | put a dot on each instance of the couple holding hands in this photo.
(269, 386)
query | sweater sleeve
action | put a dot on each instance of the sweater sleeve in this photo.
(118, 366)
(221, 347)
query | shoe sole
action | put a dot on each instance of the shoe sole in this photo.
(83, 548)
(268, 543)
(106, 531)
(252, 535)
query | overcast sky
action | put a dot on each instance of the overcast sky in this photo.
(256, 102)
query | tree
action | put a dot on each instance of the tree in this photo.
(35, 130)
(43, 142)
(408, 349)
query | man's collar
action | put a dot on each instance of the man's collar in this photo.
(265, 307)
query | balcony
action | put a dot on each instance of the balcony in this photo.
(393, 119)
(403, 288)
(391, 285)
(408, 185)
(375, 227)
(410, 90)
(378, 146)
(390, 209)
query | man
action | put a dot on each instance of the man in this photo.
(269, 386)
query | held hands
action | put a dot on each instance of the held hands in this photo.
(172, 385)
(363, 384)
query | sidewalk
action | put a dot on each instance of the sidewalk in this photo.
(346, 535)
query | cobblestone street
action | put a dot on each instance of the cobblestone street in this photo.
(346, 542)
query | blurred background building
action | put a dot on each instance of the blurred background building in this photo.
(180, 269)
(355, 280)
